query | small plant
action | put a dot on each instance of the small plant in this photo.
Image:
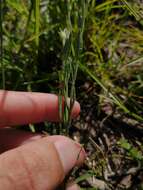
(131, 151)
(59, 46)
(72, 40)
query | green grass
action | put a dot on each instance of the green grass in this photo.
(53, 46)
(37, 21)
(1, 46)
(72, 40)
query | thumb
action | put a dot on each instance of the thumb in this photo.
(39, 165)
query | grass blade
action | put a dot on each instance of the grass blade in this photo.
(116, 100)
(73, 45)
(1, 44)
(132, 11)
(37, 21)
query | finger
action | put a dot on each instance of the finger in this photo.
(11, 138)
(39, 164)
(27, 107)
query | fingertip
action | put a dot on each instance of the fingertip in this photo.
(71, 153)
(76, 109)
(72, 186)
(42, 156)
(20, 108)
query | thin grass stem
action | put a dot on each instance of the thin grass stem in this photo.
(132, 11)
(1, 44)
(116, 100)
(37, 21)
(75, 23)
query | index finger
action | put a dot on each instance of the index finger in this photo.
(30, 107)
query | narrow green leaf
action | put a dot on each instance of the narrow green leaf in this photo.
(1, 45)
(116, 100)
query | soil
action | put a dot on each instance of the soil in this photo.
(100, 130)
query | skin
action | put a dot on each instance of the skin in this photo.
(31, 161)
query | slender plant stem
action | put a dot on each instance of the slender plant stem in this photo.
(37, 21)
(26, 28)
(73, 45)
(115, 99)
(1, 44)
(132, 10)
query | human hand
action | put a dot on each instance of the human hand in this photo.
(30, 161)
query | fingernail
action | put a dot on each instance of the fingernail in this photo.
(70, 153)
(76, 108)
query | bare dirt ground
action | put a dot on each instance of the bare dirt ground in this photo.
(112, 166)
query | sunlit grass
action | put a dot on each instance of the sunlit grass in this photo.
(1, 45)
(37, 21)
(72, 40)
(53, 46)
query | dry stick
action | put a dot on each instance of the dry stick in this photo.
(97, 147)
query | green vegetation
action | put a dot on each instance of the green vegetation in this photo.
(87, 50)
(131, 151)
